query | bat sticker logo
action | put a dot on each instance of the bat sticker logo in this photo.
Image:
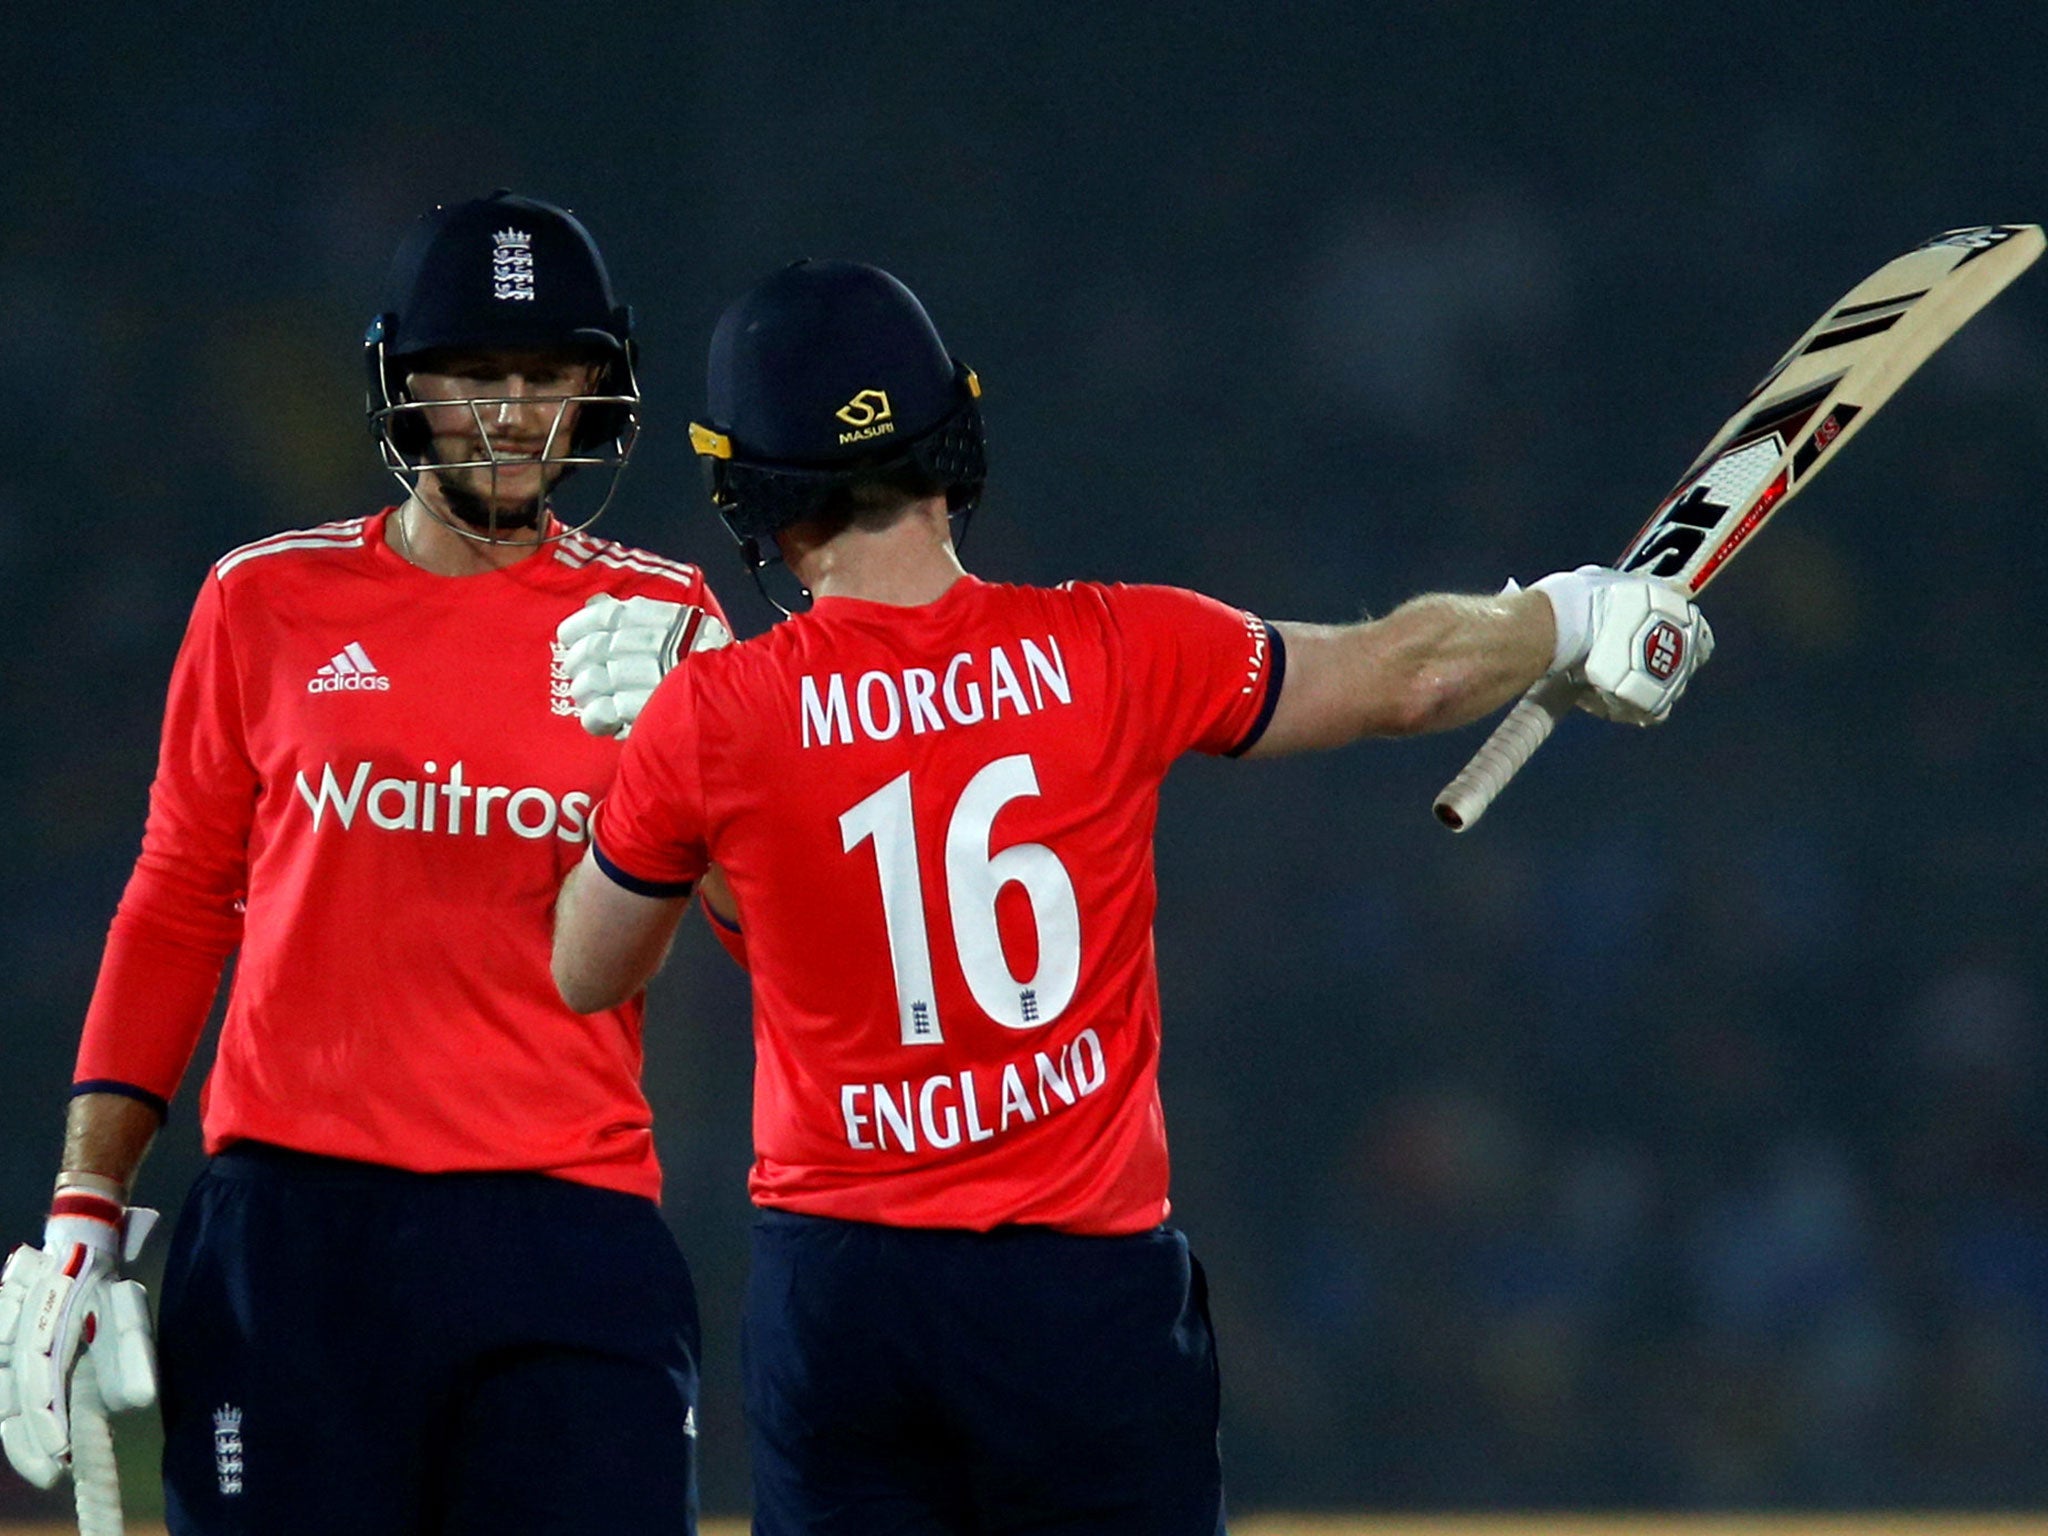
(1663, 650)
(1679, 532)
(1977, 240)
(1831, 427)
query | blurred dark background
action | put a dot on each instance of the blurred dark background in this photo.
(1676, 1138)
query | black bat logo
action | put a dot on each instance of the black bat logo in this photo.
(1679, 533)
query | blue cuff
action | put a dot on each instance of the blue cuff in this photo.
(127, 1091)
(1276, 674)
(665, 890)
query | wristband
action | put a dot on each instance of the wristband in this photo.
(87, 1211)
(92, 1183)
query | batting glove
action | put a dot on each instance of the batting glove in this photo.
(616, 650)
(58, 1302)
(1633, 641)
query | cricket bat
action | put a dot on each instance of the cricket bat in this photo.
(1832, 380)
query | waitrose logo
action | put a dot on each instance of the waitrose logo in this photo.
(442, 803)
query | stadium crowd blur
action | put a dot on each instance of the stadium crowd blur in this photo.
(1677, 1137)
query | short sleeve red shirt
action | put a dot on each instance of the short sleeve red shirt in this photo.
(937, 823)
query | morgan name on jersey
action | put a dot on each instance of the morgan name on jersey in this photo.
(973, 686)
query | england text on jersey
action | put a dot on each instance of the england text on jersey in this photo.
(942, 1109)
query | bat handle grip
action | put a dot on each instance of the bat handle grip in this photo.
(1513, 742)
(95, 1478)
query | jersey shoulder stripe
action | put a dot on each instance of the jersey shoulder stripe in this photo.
(582, 549)
(578, 551)
(341, 535)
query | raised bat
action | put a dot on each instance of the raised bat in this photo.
(1823, 390)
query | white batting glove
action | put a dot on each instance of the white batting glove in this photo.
(1634, 641)
(57, 1302)
(616, 650)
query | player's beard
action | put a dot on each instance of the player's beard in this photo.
(488, 518)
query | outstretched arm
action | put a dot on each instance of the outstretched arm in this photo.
(1435, 662)
(609, 941)
(1630, 644)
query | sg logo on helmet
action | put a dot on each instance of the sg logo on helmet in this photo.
(868, 414)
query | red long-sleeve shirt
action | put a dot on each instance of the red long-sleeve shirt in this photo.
(371, 784)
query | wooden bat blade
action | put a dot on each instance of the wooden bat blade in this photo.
(1832, 381)
(1829, 383)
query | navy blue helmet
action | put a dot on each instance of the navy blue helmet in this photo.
(827, 373)
(498, 274)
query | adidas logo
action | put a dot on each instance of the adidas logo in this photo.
(351, 671)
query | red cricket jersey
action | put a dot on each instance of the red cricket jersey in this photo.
(937, 822)
(372, 781)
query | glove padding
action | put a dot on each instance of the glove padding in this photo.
(616, 650)
(1633, 641)
(59, 1300)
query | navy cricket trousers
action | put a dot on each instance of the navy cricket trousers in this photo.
(917, 1382)
(353, 1350)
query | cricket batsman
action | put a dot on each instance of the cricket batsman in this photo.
(933, 798)
(423, 1285)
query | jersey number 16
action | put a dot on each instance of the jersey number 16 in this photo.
(974, 877)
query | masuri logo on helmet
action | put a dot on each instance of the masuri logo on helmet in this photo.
(868, 413)
(807, 354)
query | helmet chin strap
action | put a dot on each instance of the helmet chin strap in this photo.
(759, 553)
(757, 562)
